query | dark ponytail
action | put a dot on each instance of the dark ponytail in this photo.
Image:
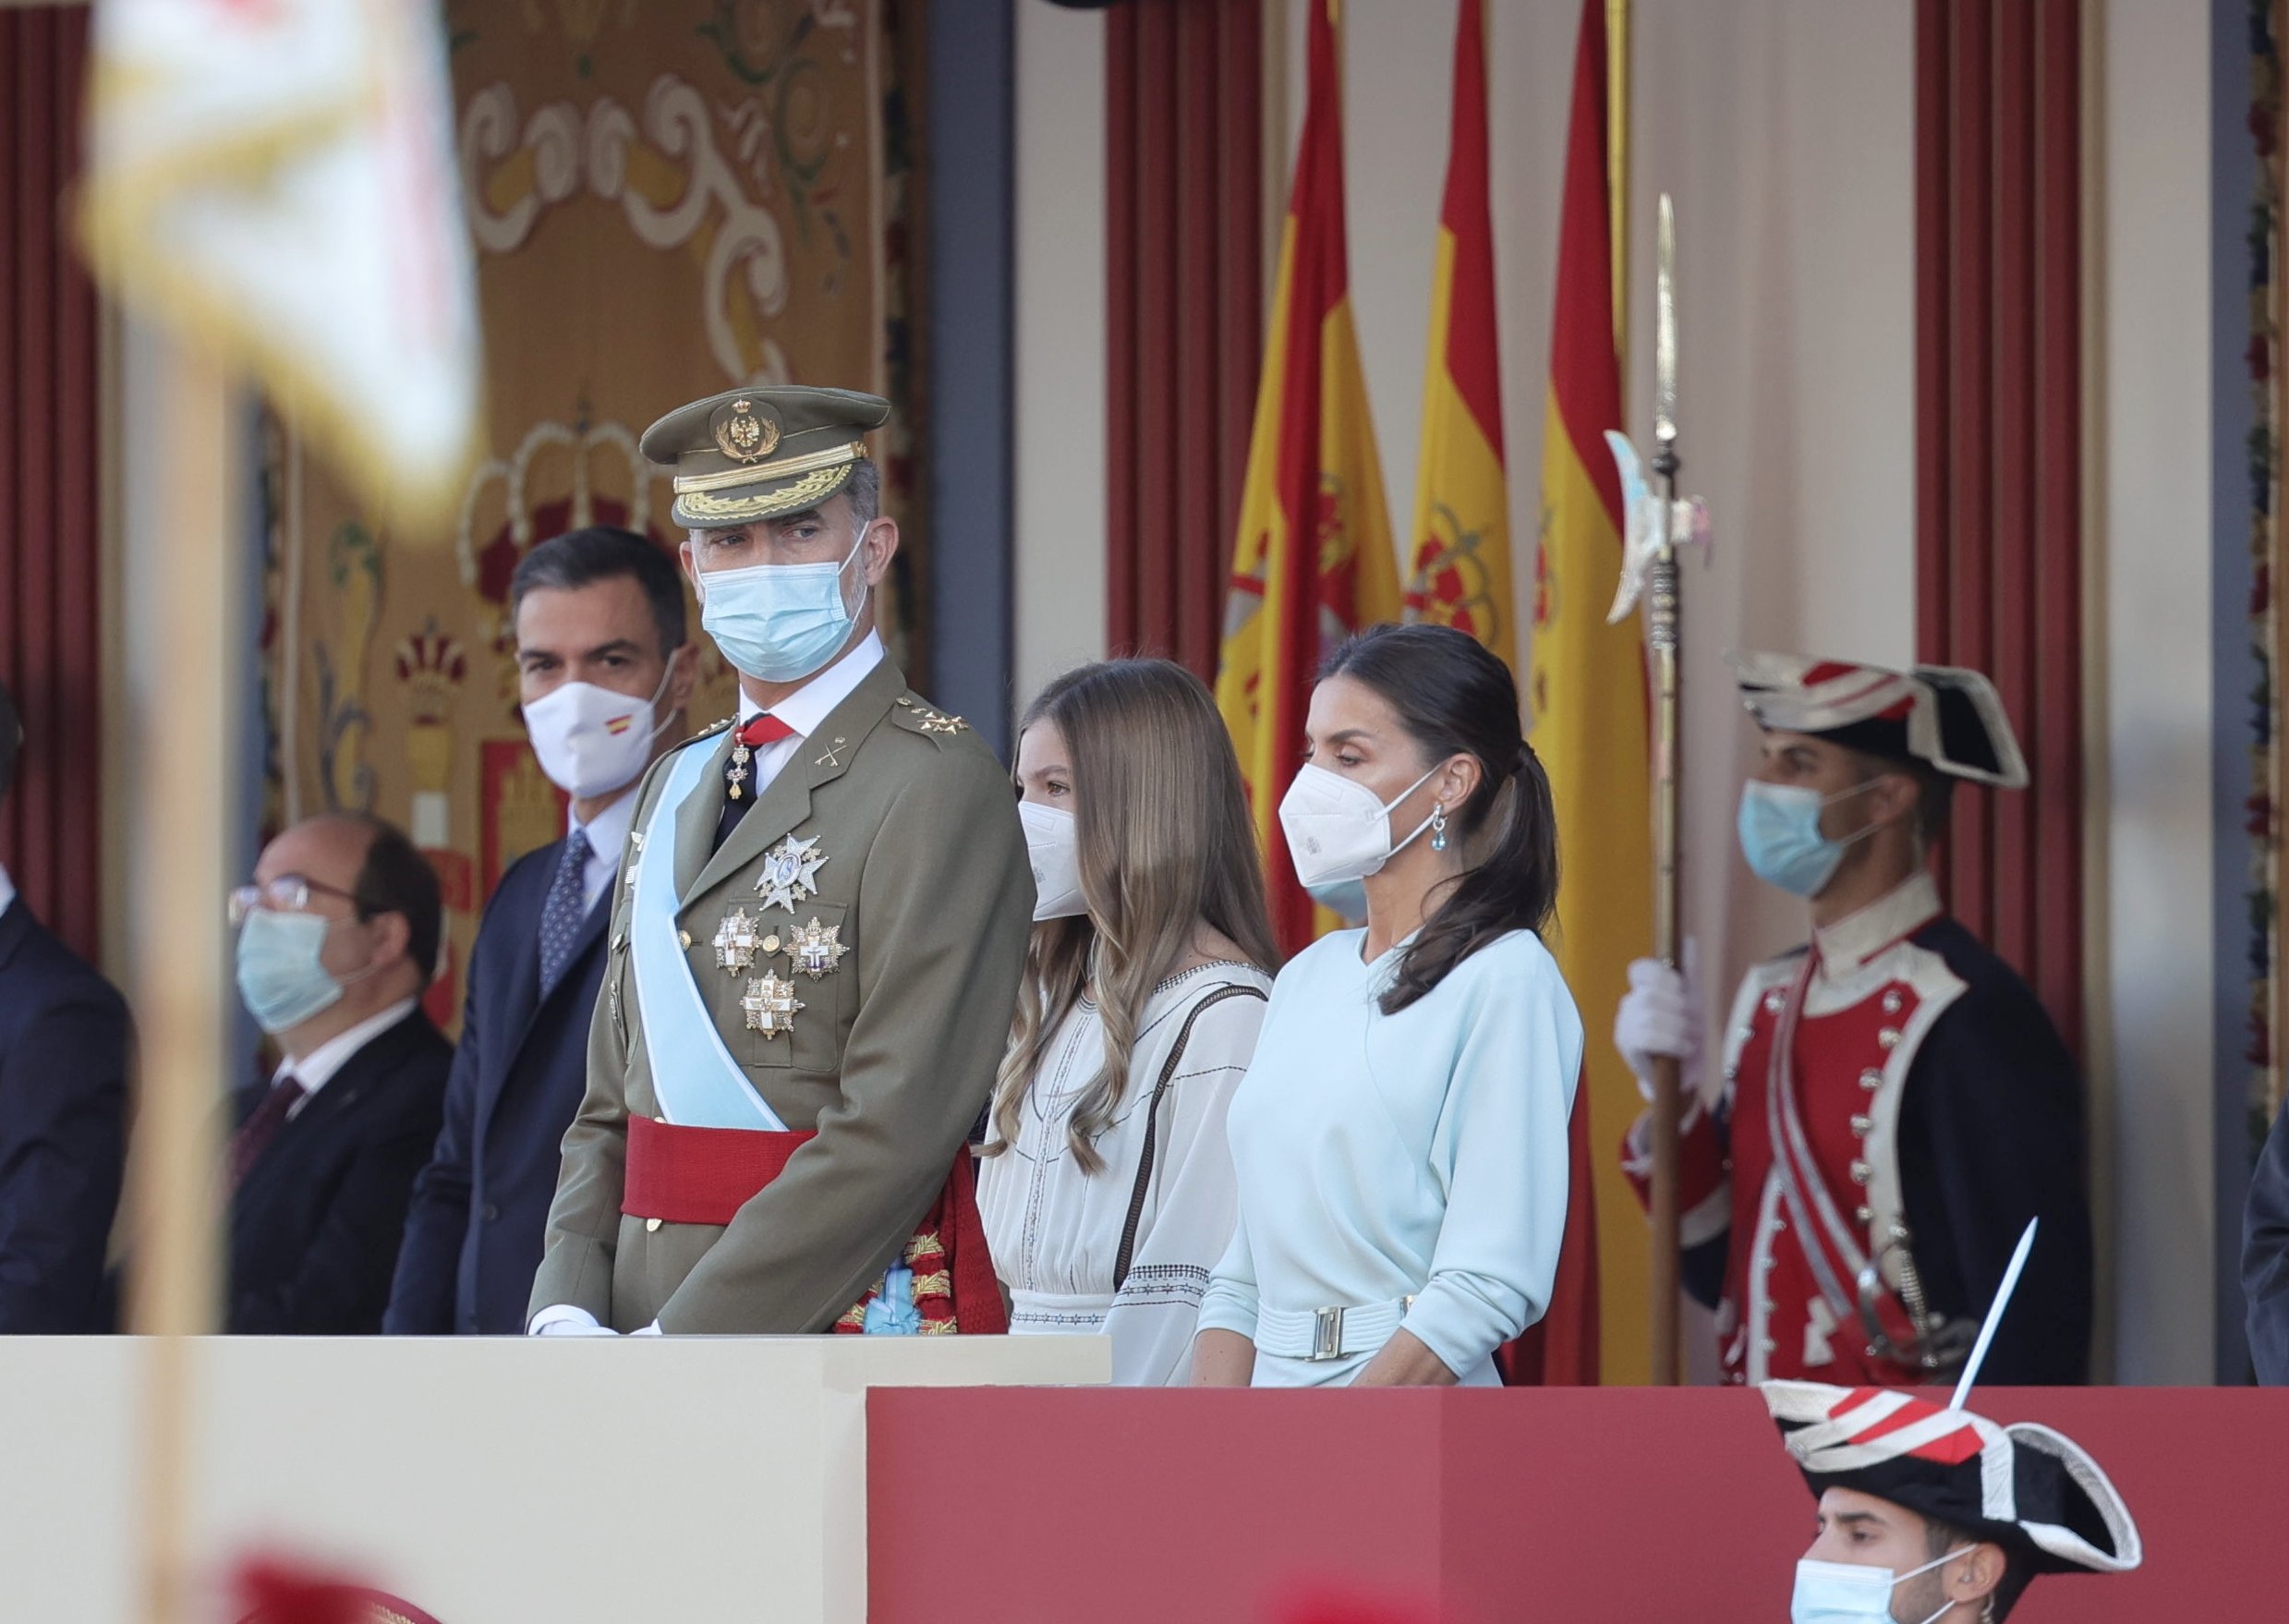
(1453, 697)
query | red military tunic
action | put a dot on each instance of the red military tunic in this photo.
(1830, 1062)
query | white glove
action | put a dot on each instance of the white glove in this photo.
(1660, 1015)
(563, 1320)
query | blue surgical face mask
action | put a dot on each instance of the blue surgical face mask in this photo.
(279, 973)
(1780, 835)
(1842, 1592)
(1346, 899)
(778, 622)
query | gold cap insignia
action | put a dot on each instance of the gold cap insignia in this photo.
(743, 434)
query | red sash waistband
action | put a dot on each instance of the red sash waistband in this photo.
(699, 1175)
(705, 1175)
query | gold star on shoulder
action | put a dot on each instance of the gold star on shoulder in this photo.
(735, 942)
(932, 721)
(772, 1006)
(816, 948)
(790, 870)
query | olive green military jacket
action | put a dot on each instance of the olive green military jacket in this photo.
(890, 1059)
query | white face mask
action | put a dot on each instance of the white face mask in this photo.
(1844, 1593)
(1336, 829)
(1056, 861)
(590, 740)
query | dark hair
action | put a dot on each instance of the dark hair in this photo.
(1453, 697)
(11, 740)
(863, 490)
(396, 878)
(1940, 1538)
(603, 553)
(1935, 790)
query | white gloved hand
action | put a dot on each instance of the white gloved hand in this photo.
(563, 1320)
(1660, 1015)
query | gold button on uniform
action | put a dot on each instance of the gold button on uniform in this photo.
(683, 938)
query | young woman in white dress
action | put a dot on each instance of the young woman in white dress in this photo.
(1400, 1140)
(1105, 1187)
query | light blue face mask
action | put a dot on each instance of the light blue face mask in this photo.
(279, 976)
(779, 623)
(1841, 1593)
(1780, 835)
(1346, 899)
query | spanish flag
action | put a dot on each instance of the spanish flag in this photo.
(1460, 571)
(1314, 559)
(1587, 690)
(1461, 576)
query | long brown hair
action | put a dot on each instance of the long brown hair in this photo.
(1453, 697)
(1163, 843)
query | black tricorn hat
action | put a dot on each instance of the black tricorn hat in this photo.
(2033, 1491)
(1945, 715)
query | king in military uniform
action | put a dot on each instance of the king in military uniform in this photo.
(815, 943)
(1896, 1103)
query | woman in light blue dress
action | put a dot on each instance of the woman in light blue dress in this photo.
(1401, 1137)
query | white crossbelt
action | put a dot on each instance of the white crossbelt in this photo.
(1321, 1335)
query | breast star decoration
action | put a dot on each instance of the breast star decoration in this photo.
(790, 870)
(772, 1006)
(816, 948)
(735, 942)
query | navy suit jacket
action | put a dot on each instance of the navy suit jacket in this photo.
(2265, 1258)
(480, 1209)
(315, 1226)
(63, 1130)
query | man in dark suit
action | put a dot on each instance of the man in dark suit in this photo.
(604, 668)
(337, 935)
(2265, 1258)
(63, 1102)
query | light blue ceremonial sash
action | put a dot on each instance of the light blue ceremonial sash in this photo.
(697, 1082)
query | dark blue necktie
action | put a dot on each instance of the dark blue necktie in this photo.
(566, 906)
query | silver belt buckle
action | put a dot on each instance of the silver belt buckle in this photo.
(1326, 1334)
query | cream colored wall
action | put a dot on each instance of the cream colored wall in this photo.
(1785, 129)
(2150, 543)
(1061, 341)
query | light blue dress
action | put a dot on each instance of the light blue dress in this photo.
(1383, 1158)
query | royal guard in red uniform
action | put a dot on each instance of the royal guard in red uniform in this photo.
(1897, 1104)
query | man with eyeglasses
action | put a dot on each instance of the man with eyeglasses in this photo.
(337, 937)
(63, 1105)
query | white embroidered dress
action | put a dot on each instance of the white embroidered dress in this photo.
(1055, 1231)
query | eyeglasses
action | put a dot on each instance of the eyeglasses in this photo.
(288, 893)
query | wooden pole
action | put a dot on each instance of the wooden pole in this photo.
(177, 770)
(1664, 629)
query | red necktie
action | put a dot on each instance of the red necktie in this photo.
(256, 1132)
(762, 729)
(740, 788)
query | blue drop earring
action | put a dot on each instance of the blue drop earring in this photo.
(1438, 826)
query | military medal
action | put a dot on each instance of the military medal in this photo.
(772, 1006)
(741, 754)
(790, 870)
(735, 942)
(817, 949)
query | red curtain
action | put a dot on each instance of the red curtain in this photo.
(1184, 198)
(1999, 454)
(50, 545)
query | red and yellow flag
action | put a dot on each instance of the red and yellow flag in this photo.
(1461, 576)
(1458, 572)
(1314, 558)
(1587, 691)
